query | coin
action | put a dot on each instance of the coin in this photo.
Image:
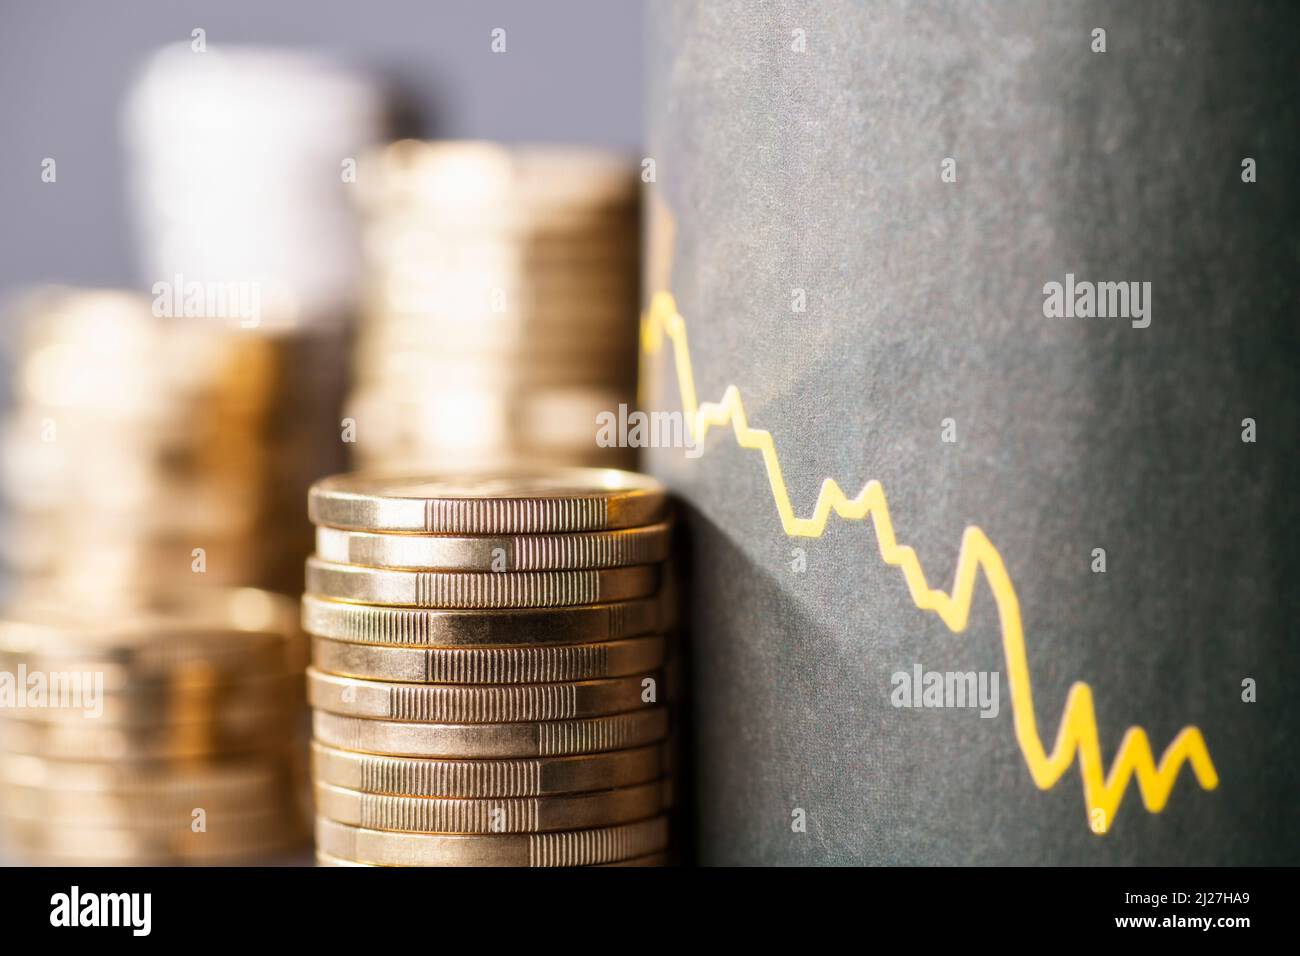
(324, 859)
(158, 820)
(563, 848)
(537, 501)
(200, 630)
(133, 809)
(147, 464)
(157, 673)
(650, 859)
(479, 703)
(99, 846)
(469, 689)
(489, 665)
(134, 708)
(526, 739)
(580, 624)
(182, 782)
(479, 589)
(568, 811)
(425, 777)
(550, 552)
(173, 741)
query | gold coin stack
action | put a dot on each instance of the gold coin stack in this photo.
(147, 452)
(500, 312)
(155, 460)
(163, 736)
(487, 679)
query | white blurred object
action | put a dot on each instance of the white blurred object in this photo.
(237, 158)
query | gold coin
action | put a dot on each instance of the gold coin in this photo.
(201, 629)
(148, 820)
(324, 859)
(489, 665)
(68, 676)
(505, 184)
(583, 624)
(143, 806)
(479, 703)
(536, 777)
(250, 734)
(569, 811)
(479, 589)
(100, 846)
(650, 859)
(536, 501)
(549, 552)
(73, 699)
(563, 848)
(556, 738)
(187, 782)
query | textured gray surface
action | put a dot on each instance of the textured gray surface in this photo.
(821, 170)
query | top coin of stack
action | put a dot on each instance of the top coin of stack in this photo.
(500, 314)
(487, 664)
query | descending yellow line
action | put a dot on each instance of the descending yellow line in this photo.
(1102, 791)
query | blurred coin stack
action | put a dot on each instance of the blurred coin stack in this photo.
(500, 312)
(166, 735)
(157, 459)
(145, 453)
(488, 663)
(243, 161)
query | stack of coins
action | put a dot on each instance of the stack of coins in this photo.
(501, 305)
(162, 736)
(149, 453)
(488, 657)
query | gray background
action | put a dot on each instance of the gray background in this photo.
(572, 73)
(821, 170)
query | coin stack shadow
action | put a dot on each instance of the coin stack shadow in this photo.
(500, 311)
(488, 669)
(163, 736)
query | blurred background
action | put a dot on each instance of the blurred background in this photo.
(572, 73)
(224, 278)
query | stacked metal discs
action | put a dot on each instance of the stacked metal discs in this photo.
(157, 461)
(148, 453)
(168, 735)
(500, 314)
(487, 676)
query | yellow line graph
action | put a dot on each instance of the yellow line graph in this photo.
(1077, 735)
